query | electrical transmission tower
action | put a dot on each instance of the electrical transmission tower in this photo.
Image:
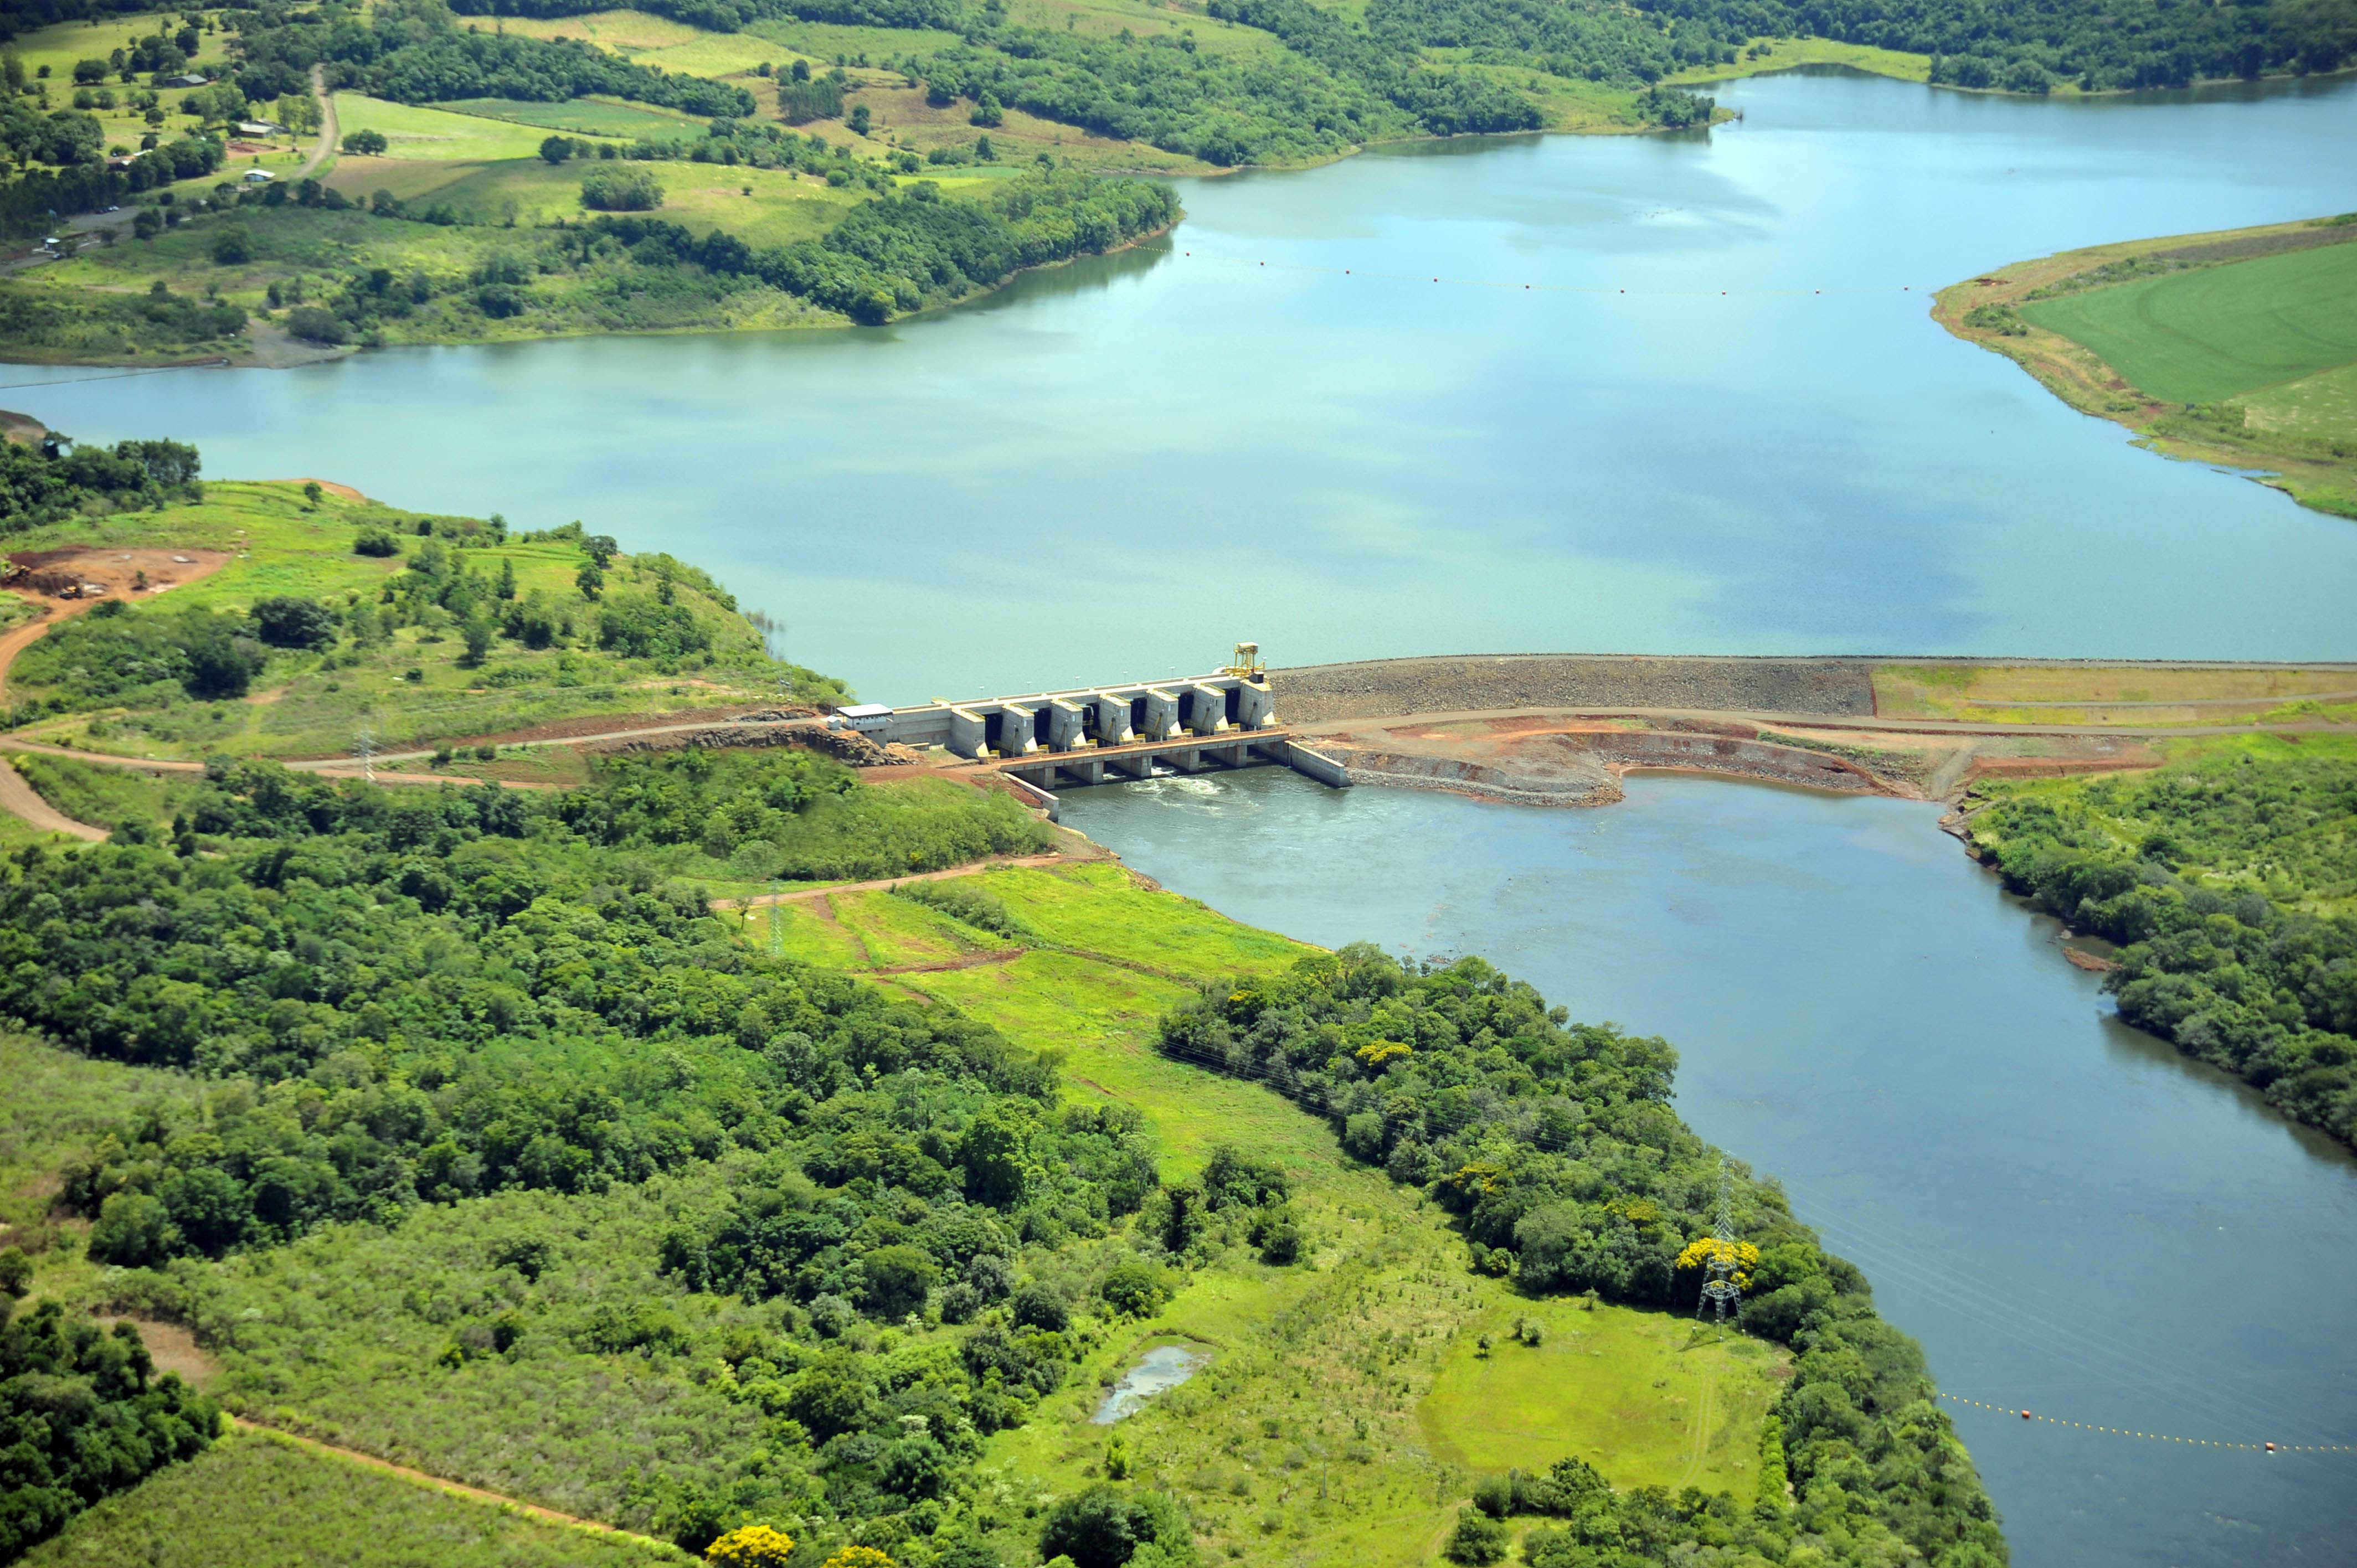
(364, 748)
(1719, 1288)
(777, 920)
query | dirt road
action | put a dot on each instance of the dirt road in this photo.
(18, 798)
(354, 1456)
(328, 133)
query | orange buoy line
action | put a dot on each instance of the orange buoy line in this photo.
(1528, 288)
(2162, 1437)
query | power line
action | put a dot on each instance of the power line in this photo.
(1534, 287)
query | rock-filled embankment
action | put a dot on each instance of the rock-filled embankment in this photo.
(1382, 688)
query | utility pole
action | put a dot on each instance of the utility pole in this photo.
(1720, 1288)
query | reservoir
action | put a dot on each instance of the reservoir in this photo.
(2072, 1216)
(1276, 425)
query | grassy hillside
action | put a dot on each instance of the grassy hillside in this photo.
(2237, 348)
(659, 641)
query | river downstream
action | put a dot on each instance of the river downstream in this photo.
(2071, 1215)
(1170, 450)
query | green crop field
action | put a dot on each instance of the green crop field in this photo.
(2219, 333)
(585, 117)
(414, 131)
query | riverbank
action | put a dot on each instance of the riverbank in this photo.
(2199, 377)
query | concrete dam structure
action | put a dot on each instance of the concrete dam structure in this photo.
(1097, 734)
(1157, 710)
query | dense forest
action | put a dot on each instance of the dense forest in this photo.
(1555, 1145)
(2230, 884)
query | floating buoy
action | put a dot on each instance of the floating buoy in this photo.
(2271, 1447)
(2025, 1415)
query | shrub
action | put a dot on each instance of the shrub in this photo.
(1036, 1307)
(621, 190)
(1102, 1526)
(366, 143)
(1135, 1287)
(286, 621)
(233, 246)
(1476, 1540)
(754, 1546)
(314, 325)
(375, 541)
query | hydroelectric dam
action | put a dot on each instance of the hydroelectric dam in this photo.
(1044, 741)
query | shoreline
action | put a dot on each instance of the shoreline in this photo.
(2301, 467)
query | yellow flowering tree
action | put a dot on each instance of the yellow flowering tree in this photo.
(1710, 1249)
(857, 1557)
(755, 1546)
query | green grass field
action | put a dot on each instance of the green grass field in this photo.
(257, 1501)
(585, 117)
(2219, 333)
(1645, 1397)
(63, 44)
(415, 131)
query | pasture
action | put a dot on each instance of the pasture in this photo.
(585, 117)
(417, 133)
(2219, 333)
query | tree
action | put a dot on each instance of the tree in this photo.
(366, 143)
(89, 72)
(134, 1230)
(507, 586)
(15, 1271)
(590, 580)
(1477, 1539)
(988, 113)
(1103, 1526)
(622, 190)
(830, 1398)
(375, 541)
(754, 1546)
(557, 149)
(860, 119)
(895, 1279)
(312, 494)
(992, 1154)
(316, 326)
(233, 246)
(1135, 1287)
(286, 621)
(481, 632)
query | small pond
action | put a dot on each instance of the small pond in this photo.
(1159, 1371)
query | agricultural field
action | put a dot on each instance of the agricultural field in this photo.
(2237, 348)
(601, 117)
(2221, 333)
(415, 131)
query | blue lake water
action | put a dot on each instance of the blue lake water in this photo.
(2071, 1215)
(1114, 470)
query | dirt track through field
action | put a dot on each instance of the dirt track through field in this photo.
(20, 798)
(354, 1456)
